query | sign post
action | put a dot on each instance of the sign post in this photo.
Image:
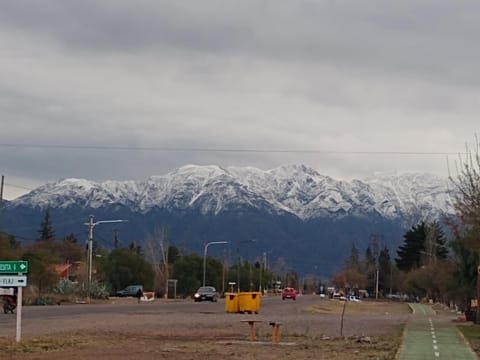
(18, 332)
(16, 271)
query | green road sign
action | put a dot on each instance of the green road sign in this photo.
(13, 267)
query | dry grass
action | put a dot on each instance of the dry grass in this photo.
(195, 343)
(116, 345)
(363, 308)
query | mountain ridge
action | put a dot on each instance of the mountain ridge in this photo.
(303, 219)
(296, 189)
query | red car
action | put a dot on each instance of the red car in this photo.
(289, 293)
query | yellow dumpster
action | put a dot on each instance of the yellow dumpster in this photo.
(249, 302)
(231, 302)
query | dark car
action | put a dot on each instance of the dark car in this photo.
(130, 290)
(289, 293)
(205, 293)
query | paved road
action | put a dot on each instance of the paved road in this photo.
(431, 336)
(185, 317)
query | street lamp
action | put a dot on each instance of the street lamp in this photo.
(205, 256)
(91, 225)
(240, 262)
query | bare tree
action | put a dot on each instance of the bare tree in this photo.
(467, 203)
(157, 246)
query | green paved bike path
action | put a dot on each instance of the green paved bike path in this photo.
(428, 336)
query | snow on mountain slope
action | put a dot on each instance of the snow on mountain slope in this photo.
(296, 189)
(424, 193)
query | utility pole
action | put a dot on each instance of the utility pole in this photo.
(115, 238)
(223, 270)
(1, 189)
(238, 269)
(376, 254)
(91, 225)
(1, 200)
(164, 249)
(477, 315)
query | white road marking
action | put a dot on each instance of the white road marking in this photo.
(435, 346)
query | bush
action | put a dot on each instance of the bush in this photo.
(43, 300)
(65, 287)
(99, 291)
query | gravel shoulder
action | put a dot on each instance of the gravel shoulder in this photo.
(311, 328)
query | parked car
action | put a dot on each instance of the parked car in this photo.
(206, 293)
(338, 296)
(289, 293)
(130, 290)
(354, 299)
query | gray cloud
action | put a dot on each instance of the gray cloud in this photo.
(333, 76)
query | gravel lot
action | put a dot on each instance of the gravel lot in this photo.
(122, 329)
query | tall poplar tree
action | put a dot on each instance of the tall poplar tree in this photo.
(353, 261)
(46, 230)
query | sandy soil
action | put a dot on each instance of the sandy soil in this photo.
(309, 330)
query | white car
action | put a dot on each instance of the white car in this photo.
(354, 298)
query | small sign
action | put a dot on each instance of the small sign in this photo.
(14, 267)
(13, 280)
(6, 291)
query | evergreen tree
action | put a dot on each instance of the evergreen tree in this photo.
(137, 249)
(435, 242)
(46, 230)
(410, 253)
(126, 267)
(9, 247)
(423, 244)
(385, 269)
(353, 261)
(370, 266)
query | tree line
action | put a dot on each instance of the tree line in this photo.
(58, 267)
(428, 264)
(438, 259)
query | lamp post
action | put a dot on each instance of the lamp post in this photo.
(91, 225)
(375, 241)
(240, 262)
(205, 249)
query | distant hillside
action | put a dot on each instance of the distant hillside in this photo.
(293, 212)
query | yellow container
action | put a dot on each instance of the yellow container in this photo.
(231, 302)
(249, 302)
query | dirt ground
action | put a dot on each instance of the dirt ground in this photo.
(310, 331)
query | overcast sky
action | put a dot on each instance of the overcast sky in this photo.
(129, 89)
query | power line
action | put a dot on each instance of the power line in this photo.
(219, 150)
(18, 186)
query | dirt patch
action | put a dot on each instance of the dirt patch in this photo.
(364, 307)
(120, 345)
(189, 331)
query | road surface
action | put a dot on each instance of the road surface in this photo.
(432, 336)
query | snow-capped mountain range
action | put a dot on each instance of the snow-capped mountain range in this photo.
(295, 189)
(300, 217)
